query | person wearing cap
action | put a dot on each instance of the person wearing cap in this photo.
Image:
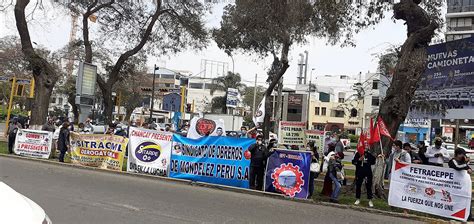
(258, 156)
(413, 156)
(437, 153)
(460, 162)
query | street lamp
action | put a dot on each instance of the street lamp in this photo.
(153, 93)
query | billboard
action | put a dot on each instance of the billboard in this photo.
(448, 80)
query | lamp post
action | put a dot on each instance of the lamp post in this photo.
(153, 93)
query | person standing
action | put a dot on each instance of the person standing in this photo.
(11, 134)
(363, 164)
(413, 156)
(314, 160)
(63, 141)
(437, 154)
(460, 162)
(471, 143)
(258, 157)
(334, 167)
(421, 153)
(339, 145)
(49, 126)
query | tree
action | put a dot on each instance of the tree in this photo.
(223, 83)
(271, 27)
(248, 100)
(412, 58)
(128, 27)
(45, 73)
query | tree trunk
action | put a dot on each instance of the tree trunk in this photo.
(71, 99)
(276, 73)
(410, 66)
(43, 72)
(279, 104)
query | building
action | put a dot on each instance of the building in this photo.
(199, 94)
(459, 19)
(335, 105)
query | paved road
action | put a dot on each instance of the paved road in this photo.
(71, 195)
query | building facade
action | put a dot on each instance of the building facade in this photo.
(459, 19)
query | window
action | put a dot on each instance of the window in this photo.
(324, 97)
(60, 100)
(339, 113)
(375, 84)
(341, 97)
(375, 101)
(316, 111)
(208, 86)
(340, 100)
(167, 85)
(54, 100)
(196, 85)
(323, 111)
(163, 76)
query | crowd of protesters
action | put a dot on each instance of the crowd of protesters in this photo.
(327, 160)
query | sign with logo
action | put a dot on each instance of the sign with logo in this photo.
(448, 132)
(292, 133)
(201, 127)
(233, 96)
(33, 143)
(288, 173)
(217, 160)
(149, 151)
(295, 100)
(417, 123)
(317, 137)
(102, 151)
(435, 190)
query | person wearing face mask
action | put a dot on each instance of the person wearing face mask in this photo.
(258, 157)
(119, 131)
(436, 154)
(243, 132)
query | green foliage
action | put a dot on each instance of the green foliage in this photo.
(354, 138)
(223, 83)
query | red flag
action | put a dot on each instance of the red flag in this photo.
(374, 132)
(361, 143)
(383, 128)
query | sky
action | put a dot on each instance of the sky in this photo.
(51, 29)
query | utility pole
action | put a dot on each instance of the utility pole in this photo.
(153, 94)
(309, 100)
(254, 95)
(456, 139)
(306, 67)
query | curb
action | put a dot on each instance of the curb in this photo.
(235, 189)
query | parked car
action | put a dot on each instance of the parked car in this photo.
(16, 208)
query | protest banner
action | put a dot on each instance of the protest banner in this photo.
(435, 190)
(200, 127)
(292, 133)
(217, 160)
(33, 143)
(317, 137)
(102, 151)
(149, 151)
(288, 173)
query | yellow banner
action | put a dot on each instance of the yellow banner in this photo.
(102, 151)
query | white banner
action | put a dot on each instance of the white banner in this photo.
(33, 143)
(149, 151)
(435, 190)
(259, 113)
(292, 133)
(200, 127)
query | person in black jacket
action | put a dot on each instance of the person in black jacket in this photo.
(63, 140)
(414, 156)
(259, 154)
(363, 166)
(460, 162)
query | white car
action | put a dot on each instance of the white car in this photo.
(16, 208)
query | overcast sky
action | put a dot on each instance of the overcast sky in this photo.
(52, 29)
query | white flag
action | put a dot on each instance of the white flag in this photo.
(259, 113)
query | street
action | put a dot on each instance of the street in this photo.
(71, 195)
